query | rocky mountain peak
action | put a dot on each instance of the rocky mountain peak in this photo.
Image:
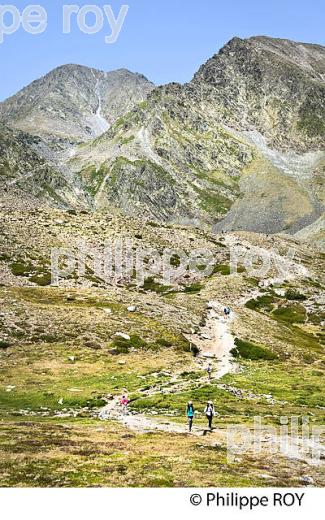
(74, 102)
(246, 133)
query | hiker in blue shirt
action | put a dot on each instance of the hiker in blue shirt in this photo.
(190, 414)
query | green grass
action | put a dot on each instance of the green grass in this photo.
(38, 273)
(4, 344)
(42, 279)
(292, 294)
(290, 314)
(123, 346)
(127, 140)
(311, 123)
(86, 453)
(150, 284)
(163, 342)
(224, 269)
(93, 178)
(284, 381)
(265, 303)
(193, 288)
(21, 268)
(248, 350)
(212, 202)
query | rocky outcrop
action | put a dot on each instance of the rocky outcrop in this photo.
(24, 172)
(274, 86)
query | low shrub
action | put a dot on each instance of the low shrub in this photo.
(151, 285)
(4, 344)
(163, 342)
(123, 346)
(222, 269)
(290, 314)
(291, 294)
(21, 269)
(42, 280)
(264, 303)
(193, 288)
(248, 350)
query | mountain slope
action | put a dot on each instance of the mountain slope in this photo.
(239, 147)
(74, 102)
(193, 153)
(26, 174)
(276, 87)
(315, 233)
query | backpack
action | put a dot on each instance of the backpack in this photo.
(190, 411)
(209, 409)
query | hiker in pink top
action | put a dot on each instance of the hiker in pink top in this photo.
(124, 403)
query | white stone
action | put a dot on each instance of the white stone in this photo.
(122, 335)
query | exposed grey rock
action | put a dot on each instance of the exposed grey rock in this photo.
(240, 147)
(75, 103)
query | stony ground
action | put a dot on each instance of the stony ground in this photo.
(61, 361)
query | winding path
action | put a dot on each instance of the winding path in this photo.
(215, 342)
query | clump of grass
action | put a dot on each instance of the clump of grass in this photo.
(151, 285)
(42, 280)
(163, 342)
(193, 288)
(4, 344)
(308, 358)
(290, 314)
(175, 261)
(316, 318)
(127, 140)
(264, 303)
(291, 294)
(123, 346)
(21, 268)
(96, 402)
(183, 345)
(253, 281)
(223, 269)
(248, 350)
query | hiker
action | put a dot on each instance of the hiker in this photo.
(190, 414)
(209, 412)
(209, 370)
(227, 312)
(124, 403)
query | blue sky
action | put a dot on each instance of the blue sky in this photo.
(167, 40)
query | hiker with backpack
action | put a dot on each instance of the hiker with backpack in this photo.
(209, 371)
(190, 414)
(227, 312)
(209, 412)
